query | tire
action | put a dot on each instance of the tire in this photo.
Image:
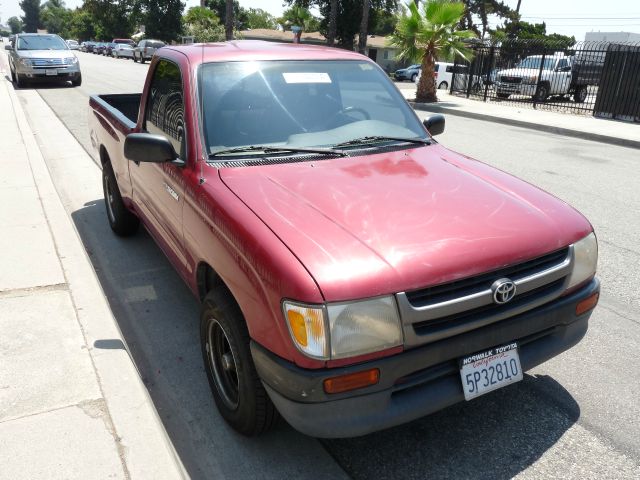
(122, 221)
(237, 390)
(76, 82)
(413, 77)
(443, 86)
(142, 60)
(580, 95)
(502, 95)
(20, 81)
(542, 94)
(13, 76)
(135, 59)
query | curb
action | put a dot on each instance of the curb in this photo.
(141, 439)
(568, 132)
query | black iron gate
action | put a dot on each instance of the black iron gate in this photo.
(556, 77)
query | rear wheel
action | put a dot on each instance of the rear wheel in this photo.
(236, 387)
(413, 77)
(580, 94)
(142, 59)
(443, 86)
(13, 76)
(502, 95)
(122, 221)
(135, 59)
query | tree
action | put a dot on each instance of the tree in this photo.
(228, 21)
(533, 31)
(15, 24)
(428, 35)
(300, 17)
(258, 18)
(219, 7)
(482, 9)
(55, 18)
(81, 25)
(113, 18)
(162, 18)
(31, 19)
(333, 20)
(381, 22)
(203, 25)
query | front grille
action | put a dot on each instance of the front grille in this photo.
(46, 62)
(507, 79)
(442, 311)
(467, 286)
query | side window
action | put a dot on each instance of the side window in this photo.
(165, 107)
(449, 68)
(563, 64)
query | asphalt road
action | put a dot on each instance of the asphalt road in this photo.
(577, 416)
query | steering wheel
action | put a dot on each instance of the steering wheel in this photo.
(347, 111)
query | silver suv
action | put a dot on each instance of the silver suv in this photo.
(146, 49)
(42, 56)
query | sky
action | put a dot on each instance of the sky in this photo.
(568, 17)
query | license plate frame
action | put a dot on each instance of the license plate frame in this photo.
(489, 370)
(51, 72)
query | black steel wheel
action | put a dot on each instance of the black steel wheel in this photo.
(237, 390)
(580, 94)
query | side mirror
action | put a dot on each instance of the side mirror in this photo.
(8, 47)
(434, 124)
(146, 147)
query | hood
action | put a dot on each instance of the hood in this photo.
(519, 72)
(384, 223)
(45, 53)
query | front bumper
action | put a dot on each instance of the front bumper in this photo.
(67, 72)
(416, 382)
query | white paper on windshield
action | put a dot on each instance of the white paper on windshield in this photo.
(306, 77)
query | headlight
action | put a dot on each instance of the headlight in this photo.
(70, 60)
(26, 62)
(341, 330)
(585, 260)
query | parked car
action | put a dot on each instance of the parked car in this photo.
(409, 73)
(87, 46)
(443, 73)
(108, 49)
(145, 50)
(125, 41)
(98, 48)
(354, 274)
(558, 75)
(37, 56)
(122, 50)
(73, 45)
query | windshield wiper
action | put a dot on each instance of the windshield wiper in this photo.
(271, 149)
(381, 138)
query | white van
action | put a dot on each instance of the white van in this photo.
(444, 73)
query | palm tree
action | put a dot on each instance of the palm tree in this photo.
(425, 37)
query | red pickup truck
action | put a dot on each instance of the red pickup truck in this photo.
(354, 274)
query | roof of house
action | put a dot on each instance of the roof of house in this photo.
(307, 37)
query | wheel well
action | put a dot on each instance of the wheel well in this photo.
(207, 279)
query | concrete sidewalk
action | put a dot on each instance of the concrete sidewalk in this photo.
(72, 404)
(580, 126)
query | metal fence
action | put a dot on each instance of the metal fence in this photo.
(601, 78)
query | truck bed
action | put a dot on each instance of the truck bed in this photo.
(123, 107)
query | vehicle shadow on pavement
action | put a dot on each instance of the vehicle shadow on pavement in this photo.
(39, 84)
(496, 436)
(159, 319)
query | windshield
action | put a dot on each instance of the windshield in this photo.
(41, 42)
(534, 62)
(300, 104)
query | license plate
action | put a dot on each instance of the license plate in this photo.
(50, 72)
(486, 371)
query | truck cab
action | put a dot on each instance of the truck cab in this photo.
(536, 76)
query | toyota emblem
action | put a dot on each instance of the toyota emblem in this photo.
(503, 290)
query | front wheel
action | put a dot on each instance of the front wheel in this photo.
(237, 390)
(141, 59)
(122, 221)
(502, 95)
(135, 59)
(76, 82)
(414, 77)
(542, 94)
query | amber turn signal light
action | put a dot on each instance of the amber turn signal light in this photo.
(352, 381)
(587, 304)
